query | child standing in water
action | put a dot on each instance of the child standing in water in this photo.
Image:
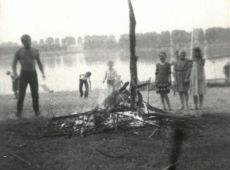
(197, 78)
(15, 83)
(110, 76)
(163, 80)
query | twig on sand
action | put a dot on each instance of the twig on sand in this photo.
(153, 133)
(11, 136)
(170, 166)
(20, 158)
(108, 155)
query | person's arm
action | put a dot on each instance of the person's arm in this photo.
(105, 77)
(14, 65)
(174, 70)
(156, 73)
(188, 72)
(201, 62)
(90, 84)
(170, 74)
(40, 65)
(225, 69)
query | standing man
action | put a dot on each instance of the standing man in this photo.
(27, 57)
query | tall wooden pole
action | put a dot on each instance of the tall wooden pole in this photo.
(133, 57)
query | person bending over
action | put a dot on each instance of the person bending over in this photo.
(84, 80)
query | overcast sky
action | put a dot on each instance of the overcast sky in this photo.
(58, 18)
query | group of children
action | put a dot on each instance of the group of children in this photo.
(112, 79)
(189, 75)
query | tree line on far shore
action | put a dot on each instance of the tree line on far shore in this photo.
(44, 45)
(217, 40)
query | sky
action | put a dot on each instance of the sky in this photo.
(58, 18)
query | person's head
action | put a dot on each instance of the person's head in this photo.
(162, 56)
(88, 74)
(177, 54)
(26, 41)
(8, 73)
(110, 64)
(182, 55)
(196, 53)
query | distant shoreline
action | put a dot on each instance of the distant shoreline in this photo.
(124, 51)
(51, 53)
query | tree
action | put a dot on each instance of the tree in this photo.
(69, 41)
(49, 41)
(57, 43)
(124, 41)
(213, 35)
(164, 39)
(180, 36)
(41, 42)
(200, 38)
(79, 41)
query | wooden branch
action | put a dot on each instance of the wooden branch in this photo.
(155, 109)
(133, 57)
(138, 120)
(123, 109)
(108, 155)
(20, 158)
(153, 133)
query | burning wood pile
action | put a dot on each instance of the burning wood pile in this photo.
(115, 112)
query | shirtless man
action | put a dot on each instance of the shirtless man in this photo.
(27, 57)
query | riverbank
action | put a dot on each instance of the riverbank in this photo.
(61, 103)
(206, 144)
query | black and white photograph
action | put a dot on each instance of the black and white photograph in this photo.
(114, 84)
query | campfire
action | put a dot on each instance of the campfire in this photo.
(114, 112)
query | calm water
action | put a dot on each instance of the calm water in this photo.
(63, 71)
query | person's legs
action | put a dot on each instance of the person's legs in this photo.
(186, 96)
(109, 87)
(15, 89)
(86, 89)
(81, 87)
(227, 78)
(201, 100)
(181, 94)
(113, 85)
(195, 100)
(167, 100)
(33, 81)
(16, 94)
(22, 91)
(163, 101)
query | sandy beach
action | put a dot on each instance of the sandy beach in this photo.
(22, 145)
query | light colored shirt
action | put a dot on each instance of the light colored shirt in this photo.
(84, 77)
(111, 74)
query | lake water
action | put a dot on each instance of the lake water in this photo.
(63, 71)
